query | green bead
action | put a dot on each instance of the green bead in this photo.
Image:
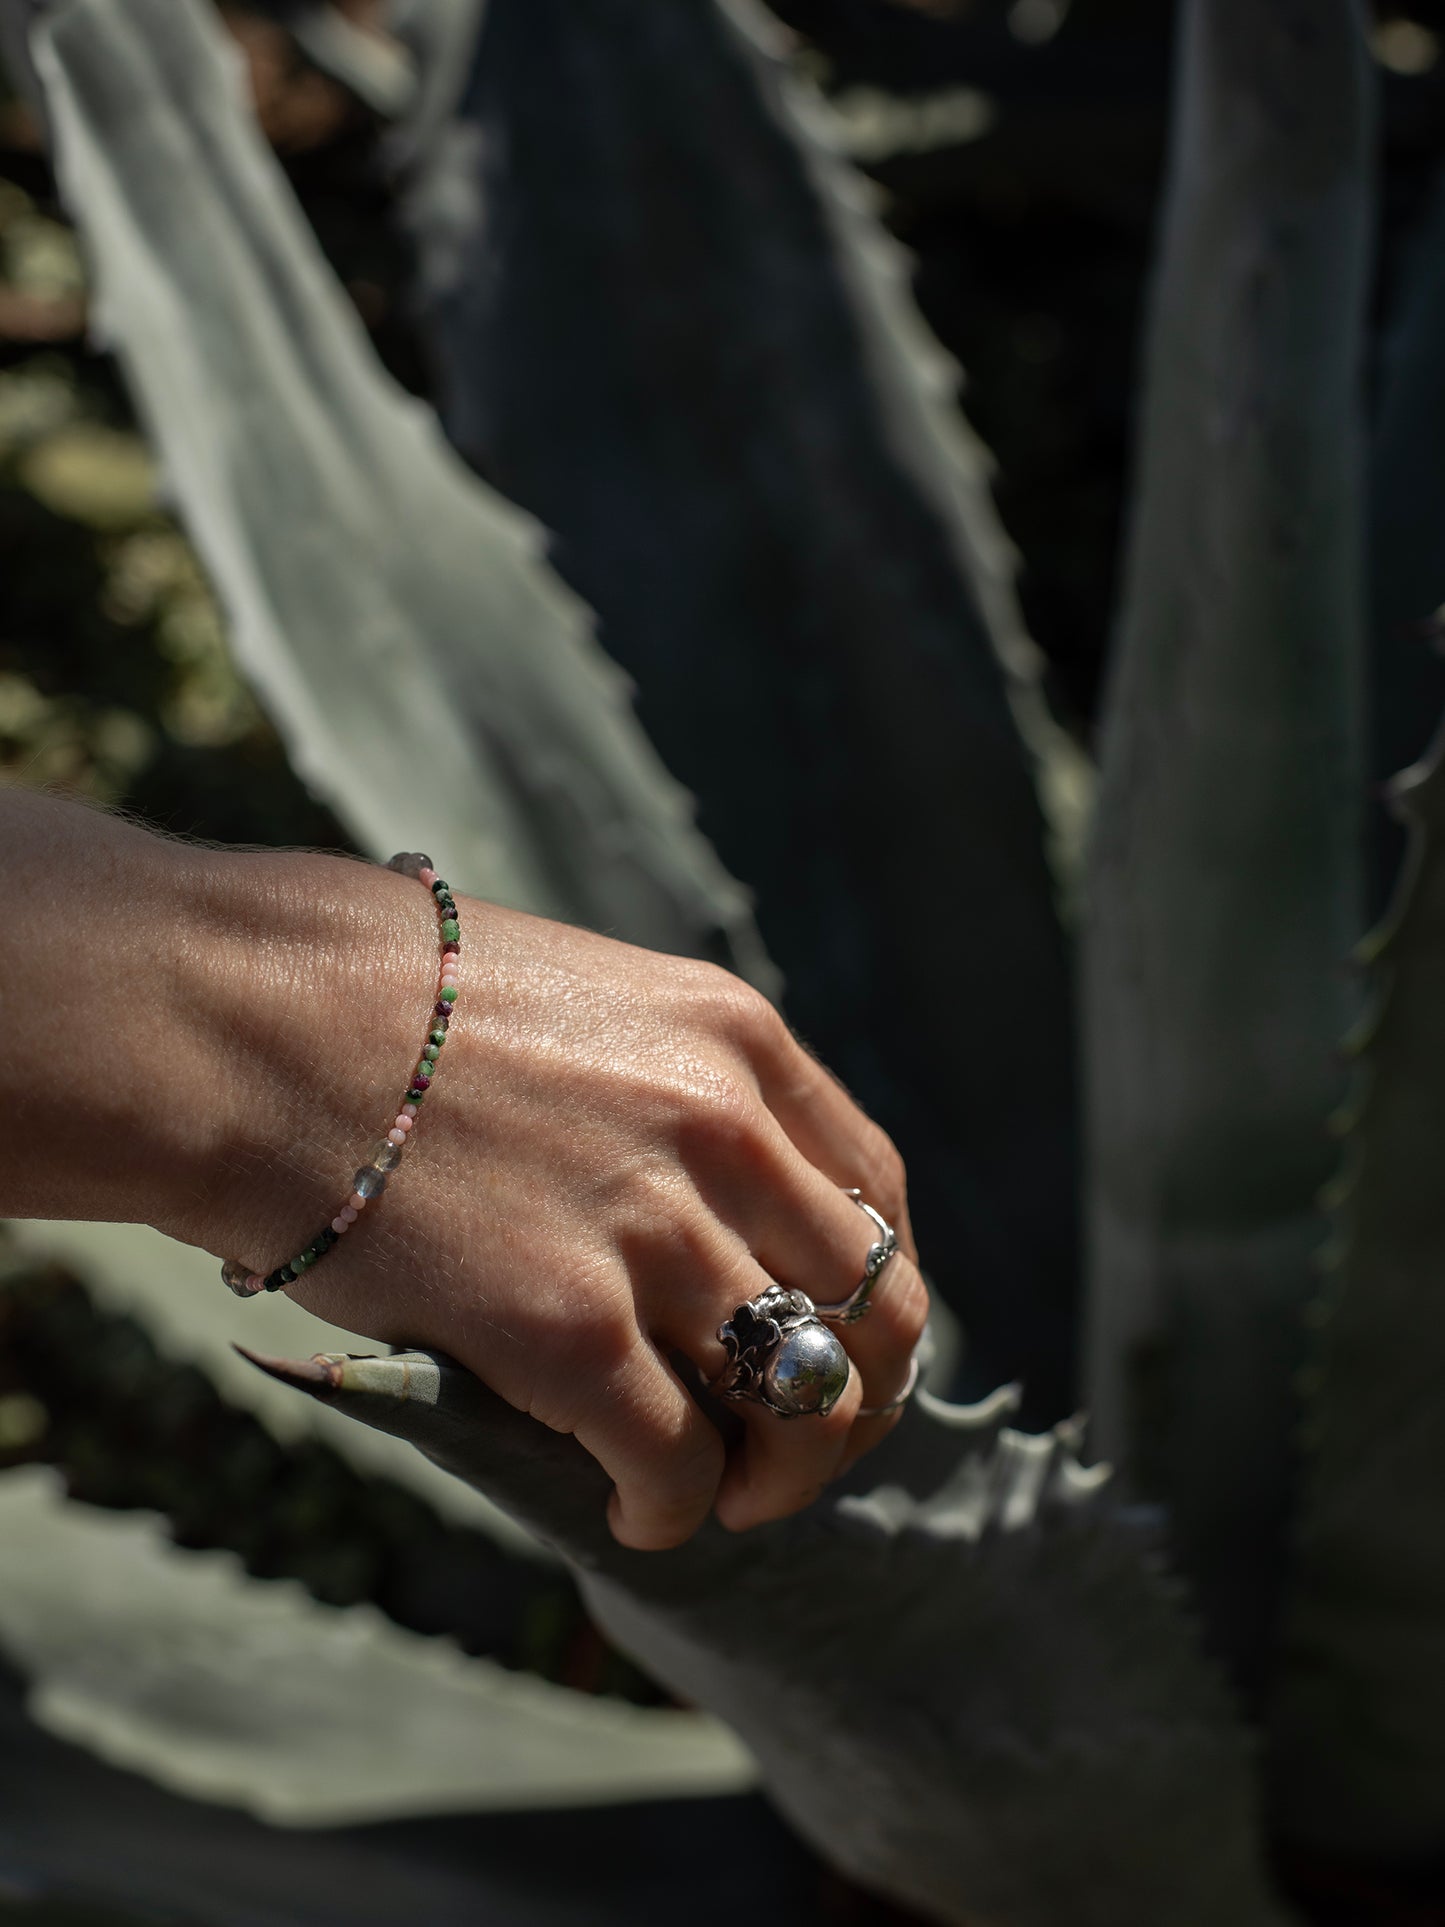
(438, 1036)
(448, 996)
(432, 1053)
(299, 1264)
(450, 928)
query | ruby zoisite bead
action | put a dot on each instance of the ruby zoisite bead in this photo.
(370, 1180)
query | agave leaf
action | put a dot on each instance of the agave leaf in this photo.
(372, 65)
(432, 678)
(174, 1291)
(961, 1675)
(248, 1692)
(668, 320)
(78, 1835)
(441, 38)
(1224, 882)
(1360, 1728)
(1406, 556)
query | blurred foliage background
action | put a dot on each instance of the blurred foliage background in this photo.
(1017, 147)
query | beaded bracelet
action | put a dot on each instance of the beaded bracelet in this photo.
(370, 1180)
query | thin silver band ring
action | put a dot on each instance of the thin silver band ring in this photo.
(848, 1310)
(910, 1385)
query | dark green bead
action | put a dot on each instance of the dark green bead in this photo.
(441, 888)
(432, 1052)
(448, 996)
(450, 928)
(438, 1036)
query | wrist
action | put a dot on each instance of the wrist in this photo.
(300, 988)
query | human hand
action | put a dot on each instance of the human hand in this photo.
(620, 1150)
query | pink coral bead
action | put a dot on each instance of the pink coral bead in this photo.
(396, 1137)
(409, 1110)
(403, 1122)
(356, 1201)
(348, 1211)
(255, 1282)
(427, 874)
(338, 1224)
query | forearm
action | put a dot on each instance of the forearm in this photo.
(192, 1038)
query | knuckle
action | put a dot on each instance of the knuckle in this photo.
(727, 1123)
(733, 1009)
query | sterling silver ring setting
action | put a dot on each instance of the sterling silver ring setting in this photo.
(781, 1355)
(780, 1352)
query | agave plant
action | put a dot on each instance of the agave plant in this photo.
(968, 1674)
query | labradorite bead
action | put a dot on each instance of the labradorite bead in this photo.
(451, 928)
(432, 1053)
(369, 1182)
(234, 1274)
(384, 1156)
(449, 995)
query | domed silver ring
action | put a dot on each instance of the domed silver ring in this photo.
(781, 1355)
(848, 1310)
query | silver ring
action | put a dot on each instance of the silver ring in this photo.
(910, 1385)
(781, 1355)
(851, 1308)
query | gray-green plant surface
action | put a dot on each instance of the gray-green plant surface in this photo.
(197, 1669)
(1224, 888)
(964, 1674)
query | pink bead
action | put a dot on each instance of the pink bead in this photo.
(338, 1225)
(396, 1137)
(427, 874)
(356, 1201)
(408, 1110)
(448, 980)
(255, 1282)
(403, 1122)
(348, 1212)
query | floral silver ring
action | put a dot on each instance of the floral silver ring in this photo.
(780, 1354)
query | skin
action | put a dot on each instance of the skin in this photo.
(620, 1148)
